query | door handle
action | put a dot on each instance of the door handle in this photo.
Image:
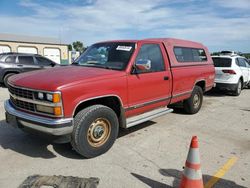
(166, 78)
(19, 65)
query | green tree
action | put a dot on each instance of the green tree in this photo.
(78, 46)
(70, 47)
(215, 53)
(246, 55)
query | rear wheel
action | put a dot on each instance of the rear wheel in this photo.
(6, 77)
(193, 104)
(95, 130)
(238, 89)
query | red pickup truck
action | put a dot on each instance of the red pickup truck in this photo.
(112, 84)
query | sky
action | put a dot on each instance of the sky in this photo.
(218, 24)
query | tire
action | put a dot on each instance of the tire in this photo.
(95, 130)
(238, 89)
(193, 104)
(248, 85)
(6, 77)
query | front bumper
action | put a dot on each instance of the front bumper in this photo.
(20, 119)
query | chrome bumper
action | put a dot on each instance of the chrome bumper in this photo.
(50, 126)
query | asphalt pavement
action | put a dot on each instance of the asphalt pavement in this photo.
(151, 154)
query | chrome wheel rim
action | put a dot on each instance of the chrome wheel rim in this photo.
(99, 132)
(196, 101)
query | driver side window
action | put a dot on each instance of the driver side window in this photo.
(151, 52)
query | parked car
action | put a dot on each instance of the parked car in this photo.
(112, 84)
(232, 73)
(15, 63)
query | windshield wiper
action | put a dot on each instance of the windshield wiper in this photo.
(97, 65)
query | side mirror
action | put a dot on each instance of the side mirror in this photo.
(143, 65)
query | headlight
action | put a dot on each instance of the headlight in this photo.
(50, 97)
(49, 103)
(40, 96)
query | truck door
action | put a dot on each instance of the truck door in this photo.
(151, 88)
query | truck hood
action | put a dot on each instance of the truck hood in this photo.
(60, 77)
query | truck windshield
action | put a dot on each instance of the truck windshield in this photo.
(109, 55)
(222, 62)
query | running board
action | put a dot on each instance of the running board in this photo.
(132, 121)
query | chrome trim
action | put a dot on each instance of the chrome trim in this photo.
(53, 131)
(190, 65)
(98, 97)
(35, 101)
(189, 92)
(48, 121)
(38, 113)
(183, 93)
(36, 90)
(147, 103)
(142, 66)
(135, 120)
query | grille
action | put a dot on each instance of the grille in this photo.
(23, 104)
(21, 92)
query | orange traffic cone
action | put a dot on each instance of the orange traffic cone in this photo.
(191, 175)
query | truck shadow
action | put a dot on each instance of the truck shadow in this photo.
(67, 151)
(217, 93)
(36, 147)
(124, 132)
(176, 174)
(23, 143)
(3, 86)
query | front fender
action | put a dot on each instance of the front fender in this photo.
(72, 97)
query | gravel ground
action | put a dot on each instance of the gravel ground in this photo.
(151, 154)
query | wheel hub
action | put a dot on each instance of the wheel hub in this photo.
(99, 132)
(196, 101)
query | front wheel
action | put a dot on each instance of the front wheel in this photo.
(95, 130)
(193, 104)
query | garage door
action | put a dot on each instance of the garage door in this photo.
(29, 50)
(53, 54)
(4, 49)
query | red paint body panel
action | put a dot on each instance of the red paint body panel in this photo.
(78, 84)
(115, 86)
(147, 87)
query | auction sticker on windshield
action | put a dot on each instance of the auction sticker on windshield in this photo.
(124, 48)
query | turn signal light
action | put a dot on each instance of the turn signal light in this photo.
(56, 98)
(57, 111)
(229, 71)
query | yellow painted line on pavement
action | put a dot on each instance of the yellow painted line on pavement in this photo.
(221, 172)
